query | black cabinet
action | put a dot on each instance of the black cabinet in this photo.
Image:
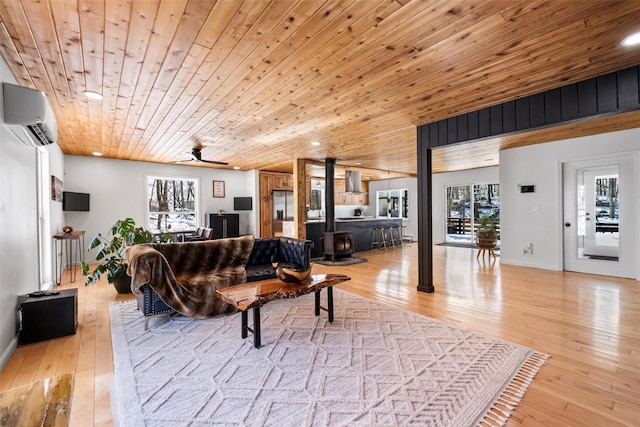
(49, 316)
(223, 225)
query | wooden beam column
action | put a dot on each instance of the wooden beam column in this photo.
(300, 198)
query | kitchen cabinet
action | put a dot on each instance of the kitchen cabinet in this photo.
(283, 182)
(350, 199)
(362, 230)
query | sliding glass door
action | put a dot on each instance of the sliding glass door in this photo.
(458, 214)
(465, 205)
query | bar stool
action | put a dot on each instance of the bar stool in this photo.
(395, 236)
(378, 238)
(407, 239)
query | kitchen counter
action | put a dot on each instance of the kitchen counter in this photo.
(361, 227)
(348, 219)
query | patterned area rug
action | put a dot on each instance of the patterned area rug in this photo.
(375, 365)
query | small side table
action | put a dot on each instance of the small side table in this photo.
(49, 316)
(482, 248)
(69, 239)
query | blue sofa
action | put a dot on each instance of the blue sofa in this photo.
(289, 252)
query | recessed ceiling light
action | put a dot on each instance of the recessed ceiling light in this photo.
(315, 143)
(631, 40)
(236, 167)
(93, 95)
(97, 153)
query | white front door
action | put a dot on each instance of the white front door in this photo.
(600, 216)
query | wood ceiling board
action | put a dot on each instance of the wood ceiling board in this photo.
(605, 124)
(255, 75)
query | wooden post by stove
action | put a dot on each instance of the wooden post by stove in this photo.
(300, 196)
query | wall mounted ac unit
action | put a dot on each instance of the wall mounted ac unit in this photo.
(29, 116)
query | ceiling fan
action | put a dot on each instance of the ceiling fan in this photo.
(196, 156)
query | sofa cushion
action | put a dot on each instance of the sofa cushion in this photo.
(260, 272)
(264, 251)
(295, 252)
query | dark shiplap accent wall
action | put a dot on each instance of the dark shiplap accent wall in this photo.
(612, 93)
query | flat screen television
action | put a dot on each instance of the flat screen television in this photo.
(75, 201)
(242, 203)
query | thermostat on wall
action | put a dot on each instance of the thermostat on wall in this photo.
(527, 188)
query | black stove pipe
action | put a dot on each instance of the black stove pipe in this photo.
(329, 195)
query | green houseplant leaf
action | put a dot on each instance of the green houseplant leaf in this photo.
(487, 227)
(111, 250)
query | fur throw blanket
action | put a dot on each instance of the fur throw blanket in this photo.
(186, 275)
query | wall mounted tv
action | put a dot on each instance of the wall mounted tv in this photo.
(75, 201)
(242, 203)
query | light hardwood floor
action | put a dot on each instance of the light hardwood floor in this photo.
(590, 325)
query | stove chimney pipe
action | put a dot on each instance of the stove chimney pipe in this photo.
(329, 195)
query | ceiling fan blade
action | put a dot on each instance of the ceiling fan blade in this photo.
(214, 162)
(196, 155)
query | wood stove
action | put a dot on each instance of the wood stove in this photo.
(338, 244)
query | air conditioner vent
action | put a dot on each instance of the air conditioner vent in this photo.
(40, 133)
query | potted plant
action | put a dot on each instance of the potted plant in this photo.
(486, 235)
(111, 253)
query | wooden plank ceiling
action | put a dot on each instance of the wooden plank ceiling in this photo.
(254, 82)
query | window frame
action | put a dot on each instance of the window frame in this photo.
(403, 203)
(196, 210)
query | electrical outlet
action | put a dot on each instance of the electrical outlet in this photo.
(528, 249)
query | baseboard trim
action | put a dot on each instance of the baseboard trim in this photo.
(8, 352)
(504, 260)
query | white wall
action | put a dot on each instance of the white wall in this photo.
(19, 234)
(538, 217)
(117, 190)
(19, 253)
(441, 180)
(397, 184)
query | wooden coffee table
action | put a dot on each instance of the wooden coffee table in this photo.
(256, 294)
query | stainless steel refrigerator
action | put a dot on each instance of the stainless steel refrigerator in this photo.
(282, 209)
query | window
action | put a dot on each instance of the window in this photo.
(317, 195)
(465, 205)
(393, 203)
(172, 203)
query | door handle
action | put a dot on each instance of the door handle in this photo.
(567, 224)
